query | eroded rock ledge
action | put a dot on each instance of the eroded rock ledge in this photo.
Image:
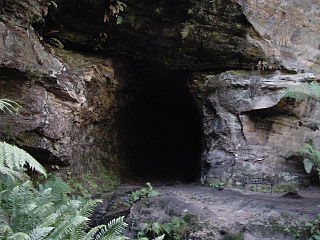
(72, 101)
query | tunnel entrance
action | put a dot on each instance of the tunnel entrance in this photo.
(162, 129)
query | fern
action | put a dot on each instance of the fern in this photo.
(40, 233)
(311, 157)
(304, 91)
(34, 216)
(46, 212)
(10, 106)
(13, 158)
(114, 228)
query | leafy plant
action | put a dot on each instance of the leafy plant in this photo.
(48, 213)
(313, 228)
(217, 184)
(310, 231)
(52, 3)
(171, 229)
(157, 238)
(302, 92)
(45, 212)
(312, 157)
(144, 193)
(10, 106)
(114, 8)
(14, 159)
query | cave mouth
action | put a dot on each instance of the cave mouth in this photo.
(162, 129)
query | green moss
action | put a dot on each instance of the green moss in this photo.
(75, 60)
(285, 188)
(92, 183)
(241, 72)
(235, 236)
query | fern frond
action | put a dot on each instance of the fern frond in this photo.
(43, 210)
(5, 230)
(88, 207)
(67, 226)
(10, 106)
(19, 236)
(40, 233)
(11, 173)
(93, 232)
(114, 229)
(59, 190)
(16, 158)
(304, 91)
(61, 213)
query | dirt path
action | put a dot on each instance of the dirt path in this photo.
(230, 212)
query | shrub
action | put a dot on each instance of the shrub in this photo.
(144, 193)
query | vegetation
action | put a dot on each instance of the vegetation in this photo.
(114, 8)
(310, 231)
(217, 185)
(311, 158)
(172, 230)
(46, 211)
(144, 193)
(302, 92)
(10, 106)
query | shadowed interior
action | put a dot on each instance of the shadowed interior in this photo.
(162, 129)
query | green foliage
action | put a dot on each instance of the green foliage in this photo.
(52, 3)
(304, 91)
(7, 105)
(217, 184)
(235, 236)
(174, 229)
(144, 193)
(56, 42)
(310, 231)
(114, 8)
(13, 160)
(157, 238)
(313, 228)
(311, 157)
(47, 212)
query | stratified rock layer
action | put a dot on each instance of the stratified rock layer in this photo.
(72, 101)
(252, 136)
(289, 30)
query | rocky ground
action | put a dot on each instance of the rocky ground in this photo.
(216, 213)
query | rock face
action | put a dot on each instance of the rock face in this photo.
(72, 100)
(288, 30)
(251, 135)
(184, 34)
(68, 102)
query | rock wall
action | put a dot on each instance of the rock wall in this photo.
(70, 103)
(252, 136)
(288, 31)
(72, 100)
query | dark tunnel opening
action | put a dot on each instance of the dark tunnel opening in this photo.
(162, 128)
